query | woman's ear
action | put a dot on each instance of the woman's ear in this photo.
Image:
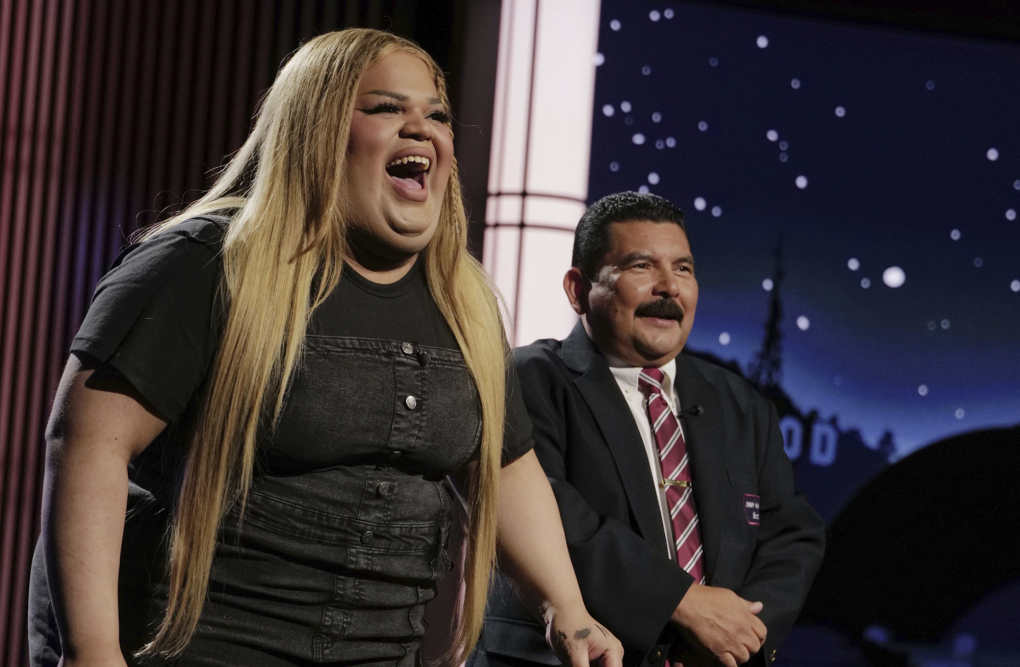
(577, 287)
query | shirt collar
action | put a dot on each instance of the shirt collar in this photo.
(628, 375)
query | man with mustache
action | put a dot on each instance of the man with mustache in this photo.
(688, 540)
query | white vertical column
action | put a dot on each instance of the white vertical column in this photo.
(541, 147)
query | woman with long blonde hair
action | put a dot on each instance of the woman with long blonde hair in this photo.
(273, 387)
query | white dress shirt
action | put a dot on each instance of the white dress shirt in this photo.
(627, 378)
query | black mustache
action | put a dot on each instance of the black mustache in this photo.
(665, 309)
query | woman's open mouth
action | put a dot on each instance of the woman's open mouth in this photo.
(410, 172)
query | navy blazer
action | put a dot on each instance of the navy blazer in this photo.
(589, 445)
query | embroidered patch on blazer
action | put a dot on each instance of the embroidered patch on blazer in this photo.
(751, 502)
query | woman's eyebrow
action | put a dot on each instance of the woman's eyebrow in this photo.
(389, 93)
(400, 97)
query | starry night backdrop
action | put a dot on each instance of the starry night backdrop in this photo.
(908, 150)
(885, 166)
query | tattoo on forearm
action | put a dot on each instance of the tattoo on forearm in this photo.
(582, 634)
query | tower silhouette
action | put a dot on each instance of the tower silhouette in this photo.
(766, 371)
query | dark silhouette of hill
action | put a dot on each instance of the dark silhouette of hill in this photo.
(925, 540)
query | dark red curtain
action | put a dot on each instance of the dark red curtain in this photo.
(114, 113)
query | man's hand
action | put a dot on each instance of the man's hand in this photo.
(579, 641)
(721, 623)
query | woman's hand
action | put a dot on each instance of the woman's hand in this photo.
(579, 641)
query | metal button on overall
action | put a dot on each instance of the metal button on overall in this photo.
(407, 348)
(386, 488)
(411, 402)
(654, 657)
(366, 537)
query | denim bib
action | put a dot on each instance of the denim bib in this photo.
(339, 550)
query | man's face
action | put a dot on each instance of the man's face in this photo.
(640, 307)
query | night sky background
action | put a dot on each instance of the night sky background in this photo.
(894, 132)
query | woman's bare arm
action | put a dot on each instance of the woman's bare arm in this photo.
(534, 554)
(97, 426)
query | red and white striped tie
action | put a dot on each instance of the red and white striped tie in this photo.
(676, 475)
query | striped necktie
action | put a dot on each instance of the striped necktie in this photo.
(676, 475)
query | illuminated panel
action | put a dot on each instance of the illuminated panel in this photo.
(541, 145)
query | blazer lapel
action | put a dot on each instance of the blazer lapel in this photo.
(598, 387)
(703, 436)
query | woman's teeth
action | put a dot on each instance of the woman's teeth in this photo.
(410, 158)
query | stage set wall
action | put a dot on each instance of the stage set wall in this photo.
(114, 114)
(117, 112)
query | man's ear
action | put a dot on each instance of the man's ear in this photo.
(577, 287)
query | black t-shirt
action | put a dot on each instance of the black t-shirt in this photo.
(157, 316)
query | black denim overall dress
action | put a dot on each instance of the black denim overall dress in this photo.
(336, 564)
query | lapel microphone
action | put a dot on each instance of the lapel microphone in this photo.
(695, 410)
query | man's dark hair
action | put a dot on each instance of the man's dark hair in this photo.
(592, 238)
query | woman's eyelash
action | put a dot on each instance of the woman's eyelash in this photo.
(440, 116)
(382, 108)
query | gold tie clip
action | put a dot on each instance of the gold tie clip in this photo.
(682, 483)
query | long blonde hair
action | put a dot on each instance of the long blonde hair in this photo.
(287, 239)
